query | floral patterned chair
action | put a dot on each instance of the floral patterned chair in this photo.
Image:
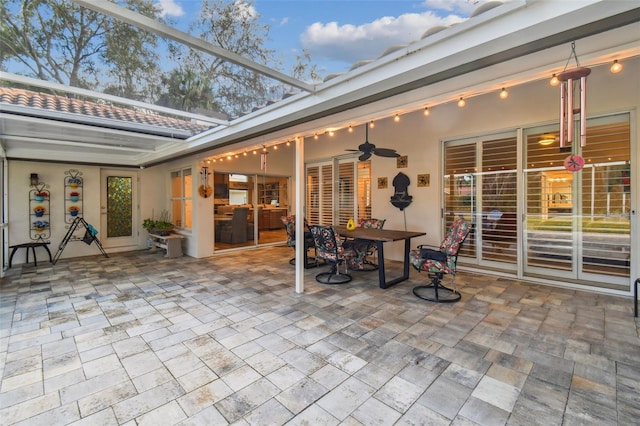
(365, 249)
(290, 226)
(335, 252)
(438, 262)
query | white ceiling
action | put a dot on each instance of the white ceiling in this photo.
(509, 45)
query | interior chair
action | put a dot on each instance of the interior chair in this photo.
(290, 226)
(440, 261)
(235, 230)
(365, 249)
(335, 252)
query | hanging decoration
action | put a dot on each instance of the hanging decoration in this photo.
(574, 163)
(205, 190)
(572, 81)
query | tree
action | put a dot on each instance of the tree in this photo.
(233, 26)
(56, 40)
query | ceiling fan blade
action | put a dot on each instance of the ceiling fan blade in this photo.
(385, 152)
(354, 150)
(364, 156)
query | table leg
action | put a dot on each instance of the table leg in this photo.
(405, 267)
(13, 251)
(381, 275)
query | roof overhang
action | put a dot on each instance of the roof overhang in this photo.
(515, 43)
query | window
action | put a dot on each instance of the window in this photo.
(182, 198)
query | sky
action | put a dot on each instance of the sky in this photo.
(339, 33)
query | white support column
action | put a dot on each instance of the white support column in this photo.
(300, 214)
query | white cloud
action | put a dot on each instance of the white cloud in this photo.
(462, 7)
(170, 8)
(247, 11)
(351, 43)
(284, 21)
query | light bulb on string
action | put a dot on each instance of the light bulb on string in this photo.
(616, 67)
(426, 111)
(461, 102)
(504, 94)
(554, 80)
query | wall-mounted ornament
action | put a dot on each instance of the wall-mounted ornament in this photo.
(39, 209)
(401, 198)
(73, 195)
(424, 180)
(382, 183)
(205, 190)
(574, 163)
(402, 162)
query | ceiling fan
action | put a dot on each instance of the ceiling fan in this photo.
(368, 148)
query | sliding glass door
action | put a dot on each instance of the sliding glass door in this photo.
(578, 223)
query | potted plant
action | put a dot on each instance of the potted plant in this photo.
(73, 210)
(161, 226)
(39, 210)
(74, 182)
(40, 225)
(40, 195)
(74, 196)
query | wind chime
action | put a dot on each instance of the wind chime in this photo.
(573, 86)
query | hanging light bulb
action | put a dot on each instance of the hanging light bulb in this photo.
(315, 136)
(330, 132)
(504, 94)
(554, 80)
(244, 153)
(462, 102)
(426, 111)
(616, 67)
(372, 125)
(350, 129)
(254, 152)
(396, 118)
(275, 147)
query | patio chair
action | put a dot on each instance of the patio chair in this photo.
(365, 249)
(290, 226)
(438, 262)
(333, 251)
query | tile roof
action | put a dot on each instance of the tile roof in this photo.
(55, 103)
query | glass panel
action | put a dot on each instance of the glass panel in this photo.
(346, 196)
(499, 200)
(460, 189)
(176, 212)
(188, 183)
(364, 189)
(176, 184)
(313, 195)
(119, 206)
(188, 213)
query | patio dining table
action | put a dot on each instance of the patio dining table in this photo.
(380, 236)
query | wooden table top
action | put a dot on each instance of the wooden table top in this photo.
(377, 234)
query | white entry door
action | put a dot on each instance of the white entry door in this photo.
(119, 208)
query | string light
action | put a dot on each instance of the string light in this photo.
(288, 143)
(461, 102)
(504, 94)
(554, 80)
(330, 132)
(350, 129)
(616, 67)
(372, 125)
(396, 118)
(426, 111)
(315, 136)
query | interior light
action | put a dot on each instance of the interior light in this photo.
(554, 80)
(396, 118)
(426, 111)
(275, 147)
(372, 125)
(228, 157)
(288, 143)
(616, 67)
(462, 102)
(504, 94)
(244, 153)
(330, 132)
(350, 129)
(546, 140)
(315, 136)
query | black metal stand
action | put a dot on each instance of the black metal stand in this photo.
(88, 238)
(436, 292)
